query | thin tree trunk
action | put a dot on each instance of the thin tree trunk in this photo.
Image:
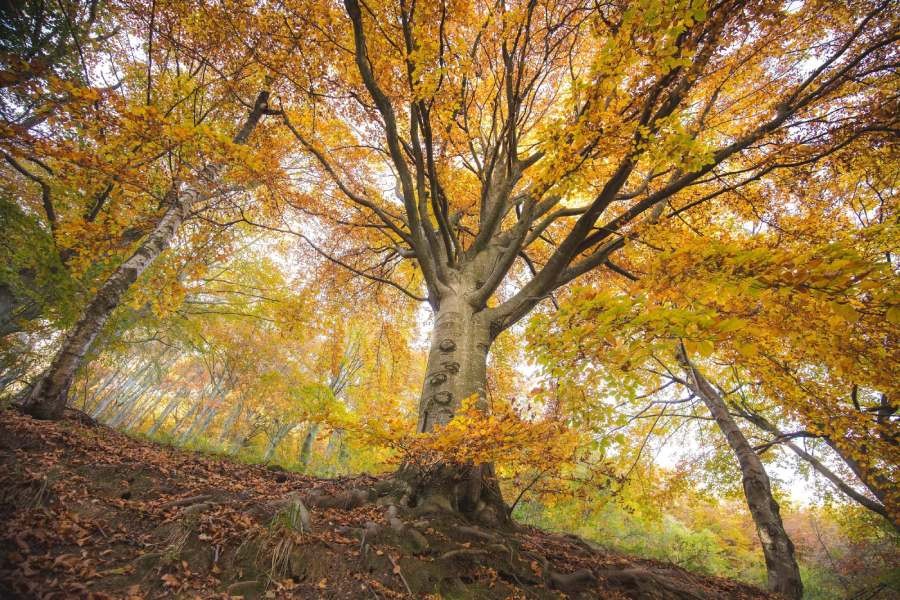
(138, 415)
(201, 424)
(118, 399)
(280, 433)
(112, 392)
(90, 399)
(189, 417)
(781, 565)
(306, 447)
(165, 414)
(47, 399)
(231, 421)
(128, 404)
(203, 408)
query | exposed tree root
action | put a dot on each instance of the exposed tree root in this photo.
(200, 527)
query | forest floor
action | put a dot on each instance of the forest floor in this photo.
(88, 512)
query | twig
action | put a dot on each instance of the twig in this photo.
(400, 573)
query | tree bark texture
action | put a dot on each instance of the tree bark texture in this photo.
(778, 550)
(457, 363)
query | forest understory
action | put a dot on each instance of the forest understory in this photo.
(92, 513)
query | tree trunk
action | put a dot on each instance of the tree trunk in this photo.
(306, 447)
(781, 566)
(280, 433)
(456, 370)
(188, 418)
(201, 418)
(47, 399)
(201, 424)
(174, 402)
(457, 363)
(137, 417)
(230, 422)
(336, 450)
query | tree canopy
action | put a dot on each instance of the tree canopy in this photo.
(522, 252)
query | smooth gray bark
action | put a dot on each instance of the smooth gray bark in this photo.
(457, 362)
(308, 439)
(778, 550)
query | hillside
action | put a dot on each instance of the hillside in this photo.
(91, 513)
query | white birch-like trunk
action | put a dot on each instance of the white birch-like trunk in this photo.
(161, 419)
(47, 399)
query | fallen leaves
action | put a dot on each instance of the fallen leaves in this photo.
(197, 526)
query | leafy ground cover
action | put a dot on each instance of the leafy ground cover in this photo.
(90, 512)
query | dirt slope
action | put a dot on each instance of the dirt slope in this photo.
(88, 512)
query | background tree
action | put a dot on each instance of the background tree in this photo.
(124, 165)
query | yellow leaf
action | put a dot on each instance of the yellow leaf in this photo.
(748, 350)
(846, 312)
(893, 315)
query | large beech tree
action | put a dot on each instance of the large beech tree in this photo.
(508, 148)
(480, 156)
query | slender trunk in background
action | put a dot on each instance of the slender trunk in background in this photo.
(781, 565)
(201, 424)
(128, 403)
(115, 391)
(173, 403)
(137, 416)
(118, 399)
(47, 399)
(840, 484)
(91, 399)
(280, 433)
(306, 447)
(206, 403)
(187, 417)
(200, 414)
(230, 421)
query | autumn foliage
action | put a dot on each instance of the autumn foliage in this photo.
(541, 259)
